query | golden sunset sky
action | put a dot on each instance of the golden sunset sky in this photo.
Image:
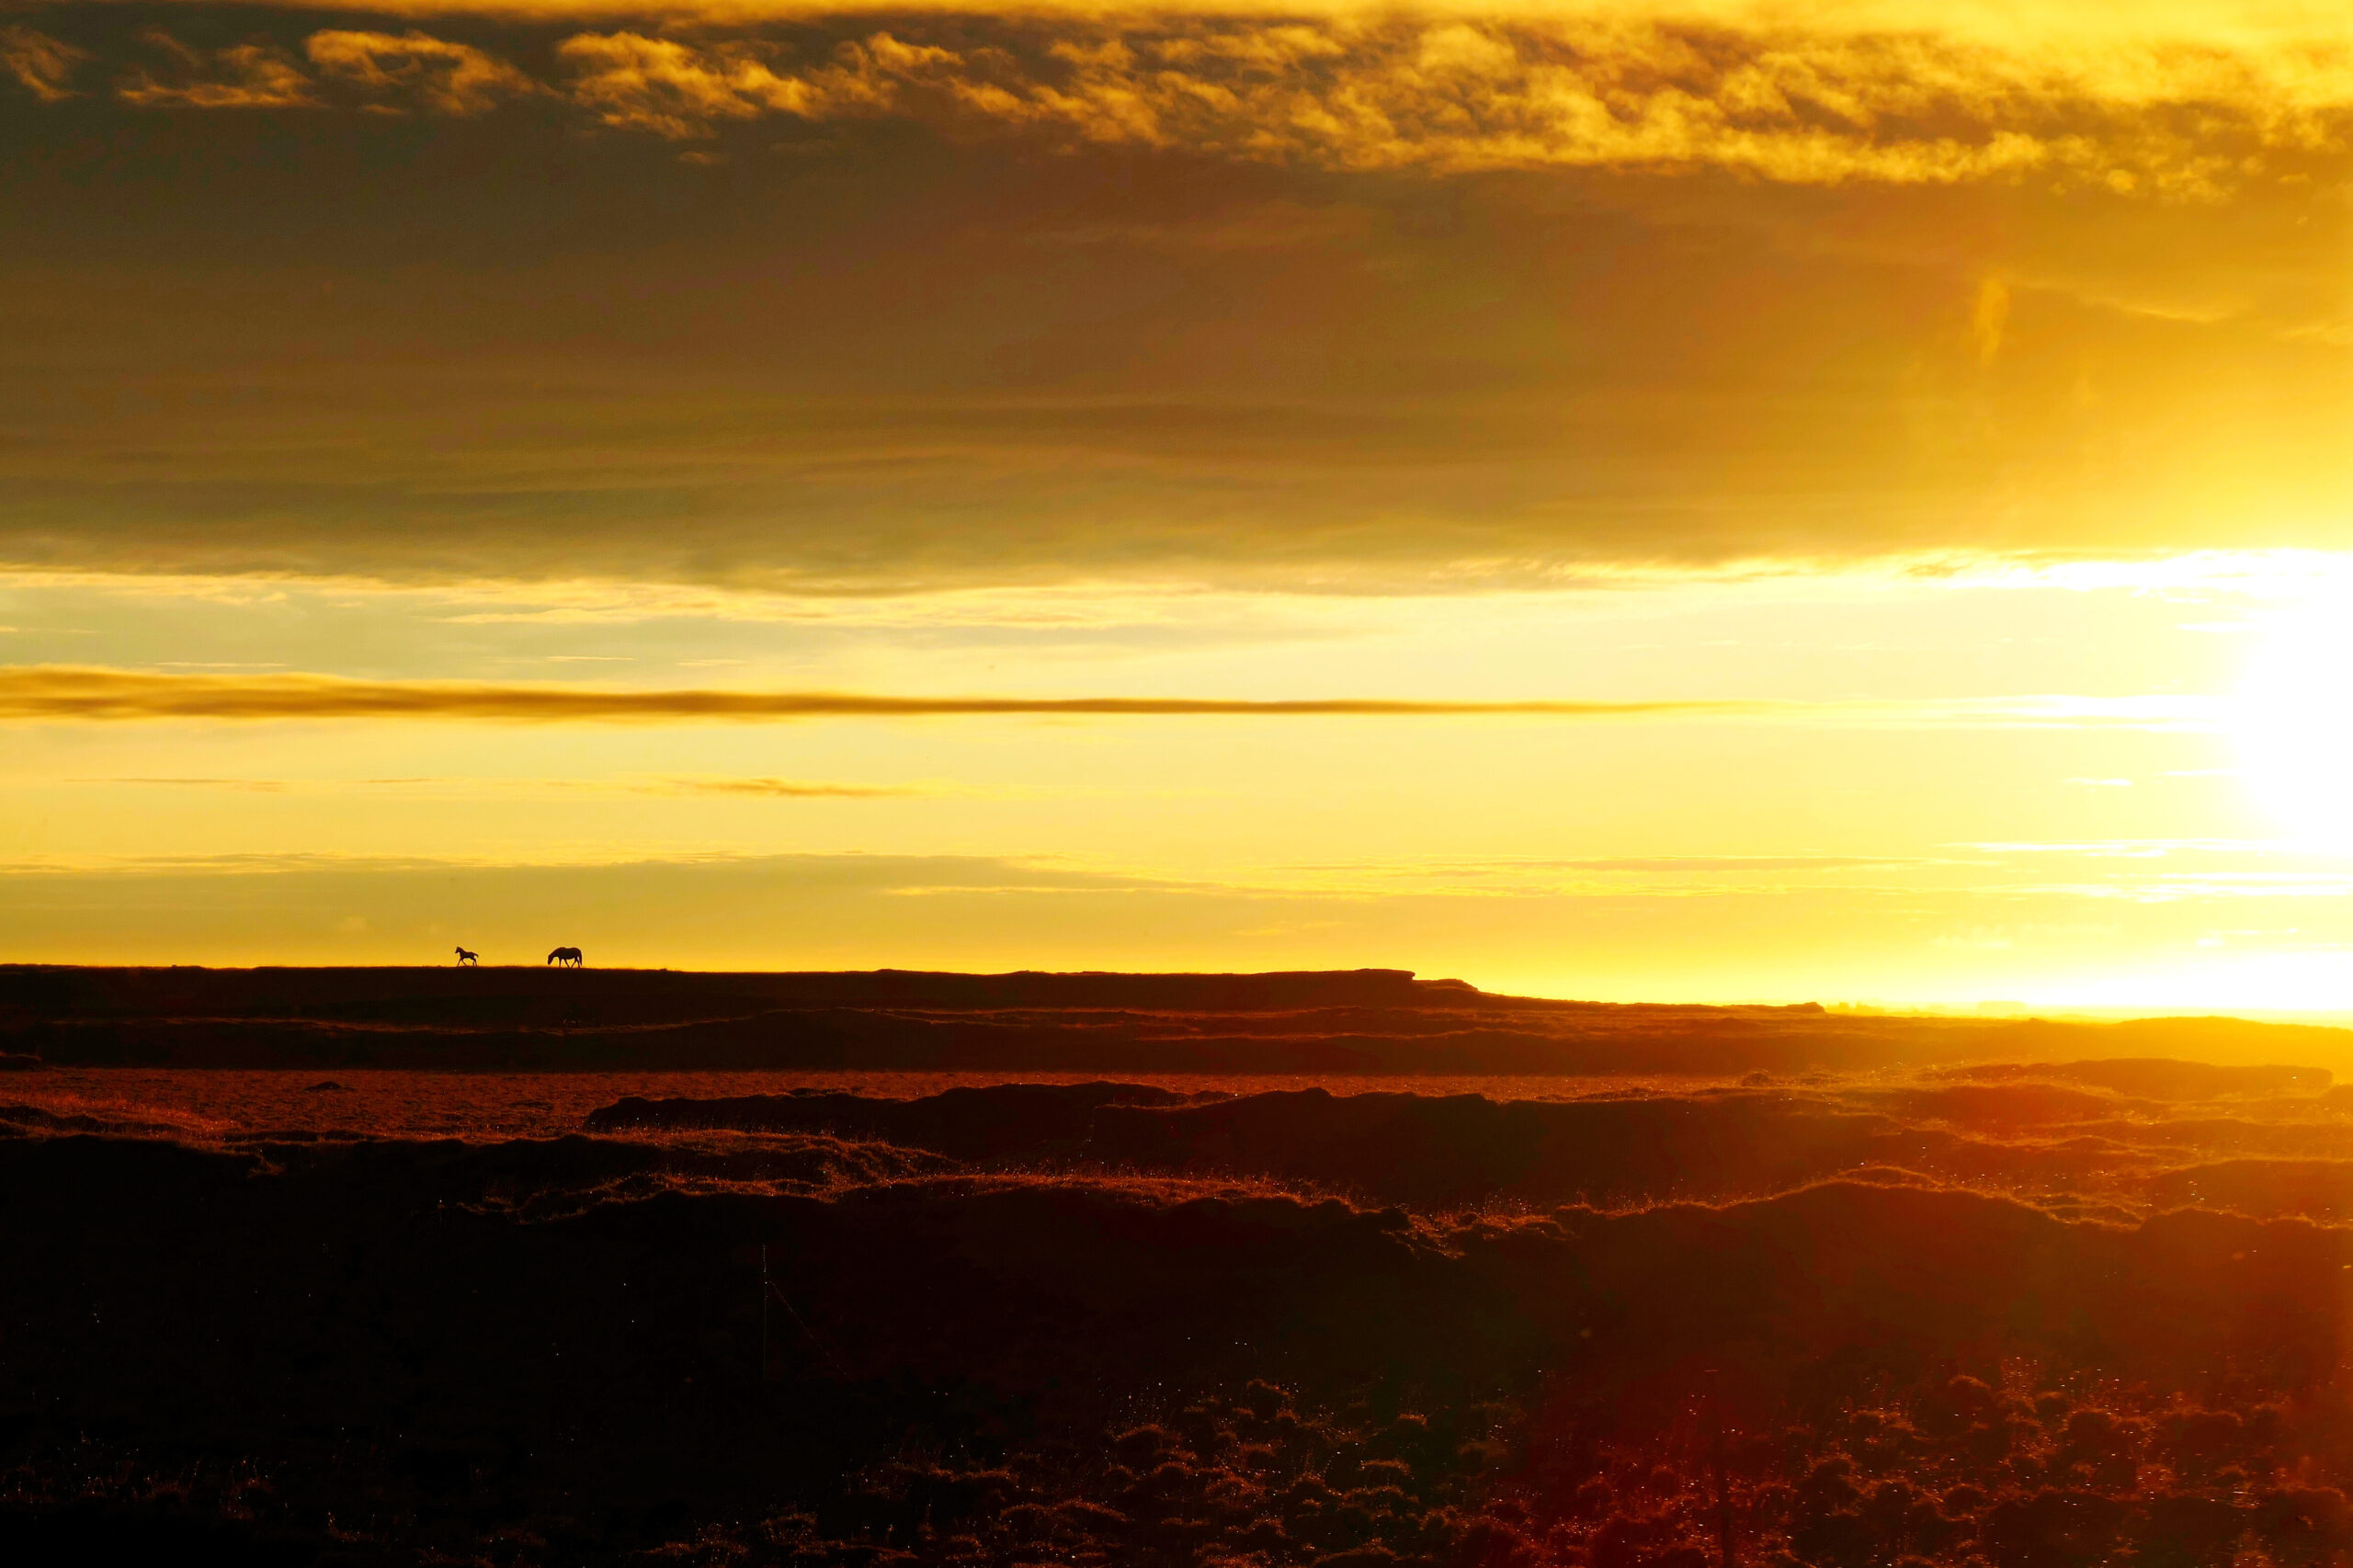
(1635, 500)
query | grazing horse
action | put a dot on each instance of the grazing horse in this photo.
(465, 958)
(570, 955)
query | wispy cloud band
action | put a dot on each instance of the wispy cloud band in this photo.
(1614, 88)
(53, 692)
(667, 785)
(34, 692)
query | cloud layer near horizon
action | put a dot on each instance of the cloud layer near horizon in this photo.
(886, 301)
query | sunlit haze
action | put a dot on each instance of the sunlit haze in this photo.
(1631, 501)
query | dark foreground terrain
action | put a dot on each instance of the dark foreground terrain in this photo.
(2043, 1312)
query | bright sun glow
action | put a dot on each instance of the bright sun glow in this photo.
(2294, 722)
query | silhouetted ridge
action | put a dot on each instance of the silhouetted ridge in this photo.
(1339, 1022)
(2157, 1078)
(2319, 1190)
(1022, 1120)
(1446, 1150)
(446, 993)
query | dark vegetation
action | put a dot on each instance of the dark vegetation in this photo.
(982, 1346)
(1356, 1021)
(2048, 1299)
(1457, 1150)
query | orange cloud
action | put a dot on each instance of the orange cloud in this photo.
(49, 691)
(777, 789)
(1616, 89)
(41, 64)
(446, 78)
(680, 91)
(1811, 108)
(245, 75)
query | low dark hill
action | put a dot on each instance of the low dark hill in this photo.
(1021, 1122)
(1354, 1021)
(2162, 1078)
(1459, 1151)
(1388, 1148)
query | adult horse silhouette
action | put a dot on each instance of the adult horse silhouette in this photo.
(465, 958)
(569, 956)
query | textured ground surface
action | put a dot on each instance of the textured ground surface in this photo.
(2045, 1313)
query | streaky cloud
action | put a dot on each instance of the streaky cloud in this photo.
(43, 66)
(1803, 107)
(2075, 21)
(241, 76)
(788, 789)
(669, 785)
(454, 79)
(77, 692)
(1906, 102)
(52, 692)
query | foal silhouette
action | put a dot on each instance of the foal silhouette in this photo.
(570, 955)
(465, 958)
